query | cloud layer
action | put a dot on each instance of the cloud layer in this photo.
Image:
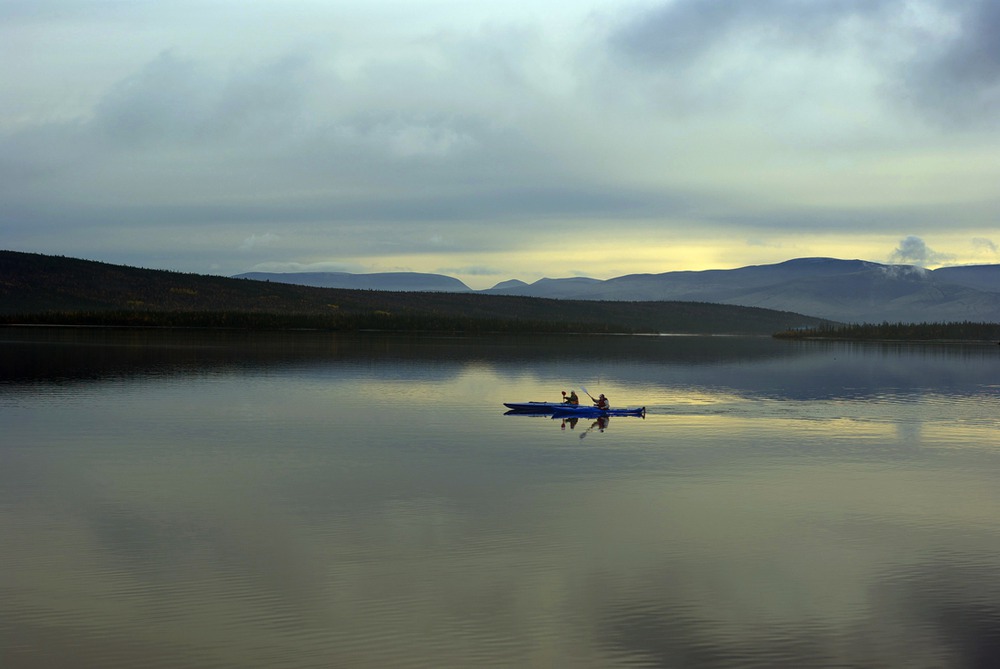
(562, 139)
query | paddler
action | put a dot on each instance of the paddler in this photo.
(571, 399)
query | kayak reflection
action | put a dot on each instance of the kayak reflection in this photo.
(601, 424)
(571, 419)
(567, 411)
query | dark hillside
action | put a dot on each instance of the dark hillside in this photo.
(51, 289)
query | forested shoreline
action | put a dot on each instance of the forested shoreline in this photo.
(349, 322)
(960, 331)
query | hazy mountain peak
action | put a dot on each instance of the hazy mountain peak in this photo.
(565, 280)
(511, 283)
(844, 290)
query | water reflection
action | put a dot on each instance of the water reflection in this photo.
(587, 424)
(692, 365)
(303, 500)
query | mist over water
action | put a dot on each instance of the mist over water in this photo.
(302, 499)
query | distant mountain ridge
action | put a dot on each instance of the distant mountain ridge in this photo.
(55, 290)
(857, 291)
(841, 290)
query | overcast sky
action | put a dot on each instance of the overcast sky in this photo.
(491, 141)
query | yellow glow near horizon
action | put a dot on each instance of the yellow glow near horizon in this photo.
(562, 256)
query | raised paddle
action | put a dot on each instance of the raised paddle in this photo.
(590, 396)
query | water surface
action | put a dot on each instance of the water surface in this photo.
(309, 500)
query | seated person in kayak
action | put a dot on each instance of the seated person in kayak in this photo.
(571, 399)
(602, 402)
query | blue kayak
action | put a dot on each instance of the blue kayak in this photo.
(536, 407)
(563, 409)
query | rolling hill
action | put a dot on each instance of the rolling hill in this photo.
(852, 291)
(49, 289)
(840, 290)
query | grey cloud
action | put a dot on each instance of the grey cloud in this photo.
(913, 250)
(172, 128)
(984, 244)
(182, 145)
(680, 32)
(291, 120)
(381, 131)
(172, 99)
(921, 218)
(907, 53)
(956, 78)
(788, 66)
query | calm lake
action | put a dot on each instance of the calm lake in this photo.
(211, 499)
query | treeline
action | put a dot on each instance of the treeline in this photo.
(960, 331)
(347, 322)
